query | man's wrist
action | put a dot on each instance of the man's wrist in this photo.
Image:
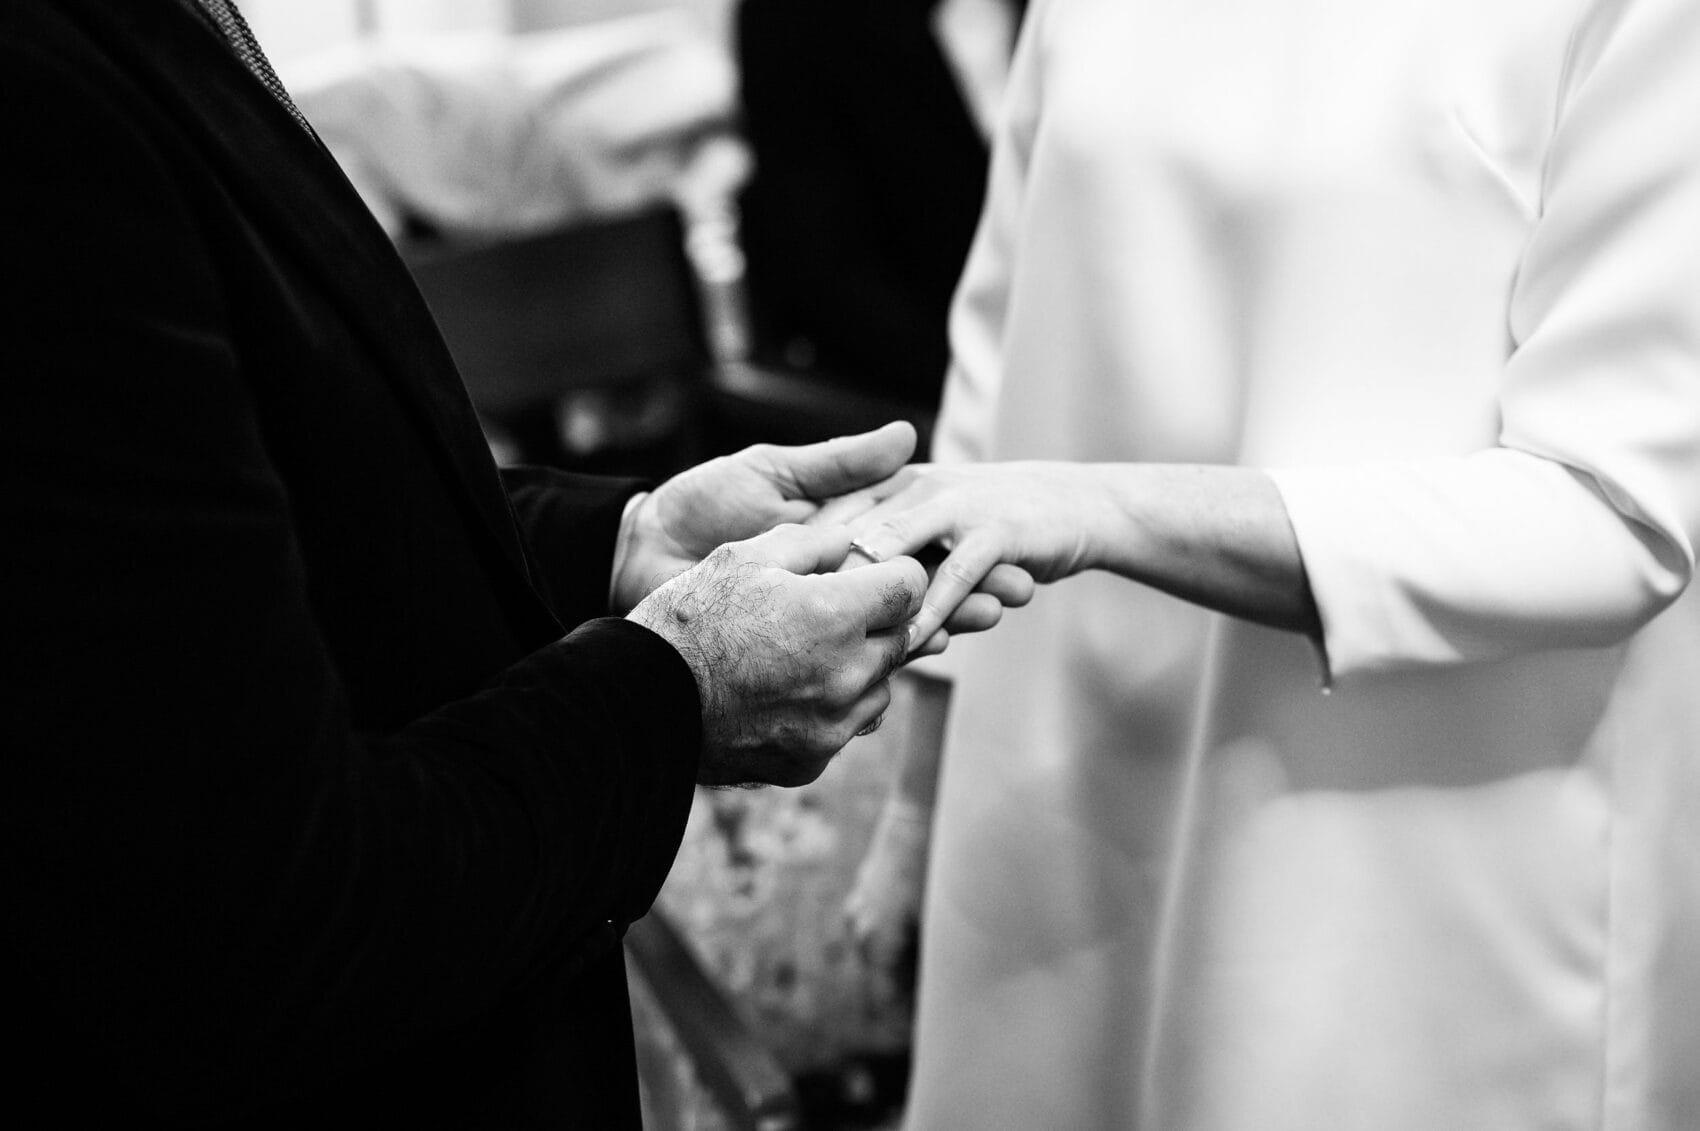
(686, 618)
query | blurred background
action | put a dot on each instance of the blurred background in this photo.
(653, 231)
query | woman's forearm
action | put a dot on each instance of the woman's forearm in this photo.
(1216, 536)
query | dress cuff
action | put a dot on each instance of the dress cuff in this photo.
(1357, 627)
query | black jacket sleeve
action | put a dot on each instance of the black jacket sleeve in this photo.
(217, 886)
(571, 524)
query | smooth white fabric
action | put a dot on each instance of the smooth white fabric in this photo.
(1436, 264)
(975, 37)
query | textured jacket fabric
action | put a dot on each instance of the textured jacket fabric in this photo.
(327, 794)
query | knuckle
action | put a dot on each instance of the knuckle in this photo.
(891, 530)
(956, 570)
(914, 574)
(807, 683)
(896, 651)
(895, 599)
(881, 693)
(721, 557)
(818, 607)
(899, 526)
(842, 687)
(823, 746)
(759, 453)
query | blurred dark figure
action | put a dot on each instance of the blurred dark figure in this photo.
(869, 176)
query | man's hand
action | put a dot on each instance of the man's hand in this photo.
(1003, 587)
(739, 496)
(791, 662)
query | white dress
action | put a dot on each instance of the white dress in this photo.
(1436, 264)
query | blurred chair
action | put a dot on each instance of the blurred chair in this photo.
(588, 346)
(583, 346)
(749, 403)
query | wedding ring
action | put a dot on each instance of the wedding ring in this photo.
(873, 556)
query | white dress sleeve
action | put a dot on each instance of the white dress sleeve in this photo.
(980, 310)
(1581, 525)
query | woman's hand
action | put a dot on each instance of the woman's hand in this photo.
(1216, 536)
(1035, 515)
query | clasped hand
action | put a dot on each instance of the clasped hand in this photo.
(981, 525)
(791, 656)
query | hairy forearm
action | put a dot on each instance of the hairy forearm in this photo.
(1216, 536)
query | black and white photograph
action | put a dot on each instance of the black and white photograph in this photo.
(850, 565)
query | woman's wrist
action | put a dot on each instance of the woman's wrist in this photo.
(1116, 504)
(1216, 536)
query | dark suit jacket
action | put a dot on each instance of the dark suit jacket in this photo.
(867, 188)
(309, 812)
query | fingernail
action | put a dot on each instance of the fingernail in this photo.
(911, 629)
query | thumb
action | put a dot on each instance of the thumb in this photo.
(799, 549)
(832, 467)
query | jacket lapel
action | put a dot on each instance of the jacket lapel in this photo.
(184, 63)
